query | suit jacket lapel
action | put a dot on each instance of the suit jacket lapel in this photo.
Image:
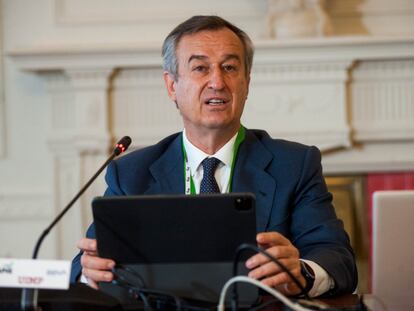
(250, 175)
(168, 170)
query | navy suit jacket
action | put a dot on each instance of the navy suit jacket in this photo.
(286, 178)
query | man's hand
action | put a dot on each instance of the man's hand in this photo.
(262, 268)
(94, 268)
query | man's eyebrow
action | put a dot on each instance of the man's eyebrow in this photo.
(197, 57)
(232, 56)
(203, 57)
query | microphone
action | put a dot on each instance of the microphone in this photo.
(29, 295)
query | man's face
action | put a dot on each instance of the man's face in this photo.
(212, 83)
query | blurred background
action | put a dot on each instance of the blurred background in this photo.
(76, 75)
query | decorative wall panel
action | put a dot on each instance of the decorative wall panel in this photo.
(79, 142)
(141, 107)
(376, 85)
(286, 98)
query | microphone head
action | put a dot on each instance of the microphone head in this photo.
(122, 145)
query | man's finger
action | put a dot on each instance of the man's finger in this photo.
(288, 289)
(96, 263)
(271, 269)
(272, 238)
(87, 245)
(292, 289)
(92, 283)
(95, 254)
(94, 276)
(279, 252)
(277, 280)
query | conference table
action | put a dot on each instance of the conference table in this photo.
(81, 297)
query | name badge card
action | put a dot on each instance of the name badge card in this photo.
(30, 273)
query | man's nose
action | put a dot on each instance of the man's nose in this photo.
(216, 79)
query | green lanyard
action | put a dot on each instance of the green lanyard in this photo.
(188, 180)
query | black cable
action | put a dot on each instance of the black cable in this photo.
(141, 291)
(119, 269)
(246, 246)
(133, 291)
(159, 293)
(147, 305)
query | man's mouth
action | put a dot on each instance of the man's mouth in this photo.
(216, 102)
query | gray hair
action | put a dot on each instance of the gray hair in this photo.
(196, 24)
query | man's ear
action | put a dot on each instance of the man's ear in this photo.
(170, 85)
(248, 86)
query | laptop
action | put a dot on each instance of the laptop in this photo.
(393, 250)
(176, 245)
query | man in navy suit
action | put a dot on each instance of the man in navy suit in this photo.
(207, 64)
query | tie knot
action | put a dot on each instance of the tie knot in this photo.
(210, 165)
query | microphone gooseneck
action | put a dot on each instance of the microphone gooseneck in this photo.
(121, 146)
(29, 295)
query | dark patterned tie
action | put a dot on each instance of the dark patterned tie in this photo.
(209, 183)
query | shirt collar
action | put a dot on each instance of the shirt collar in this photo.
(195, 156)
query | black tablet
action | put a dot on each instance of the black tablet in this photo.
(180, 245)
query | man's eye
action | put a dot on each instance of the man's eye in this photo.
(200, 68)
(229, 68)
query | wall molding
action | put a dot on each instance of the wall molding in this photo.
(370, 157)
(48, 58)
(97, 12)
(326, 70)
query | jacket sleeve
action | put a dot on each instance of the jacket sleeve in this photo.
(111, 178)
(317, 232)
(76, 268)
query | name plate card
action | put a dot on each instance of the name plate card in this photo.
(34, 273)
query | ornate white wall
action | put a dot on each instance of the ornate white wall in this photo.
(79, 74)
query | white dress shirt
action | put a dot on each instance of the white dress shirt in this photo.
(195, 156)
